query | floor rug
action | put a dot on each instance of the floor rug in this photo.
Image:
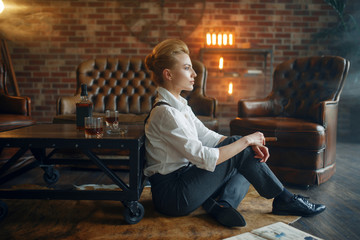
(103, 220)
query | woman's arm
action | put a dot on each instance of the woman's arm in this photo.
(256, 140)
(222, 139)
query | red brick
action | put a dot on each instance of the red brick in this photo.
(20, 50)
(31, 68)
(222, 5)
(78, 28)
(69, 21)
(257, 18)
(96, 4)
(76, 4)
(96, 16)
(260, 6)
(67, 33)
(58, 74)
(58, 39)
(266, 12)
(41, 74)
(269, 23)
(60, 27)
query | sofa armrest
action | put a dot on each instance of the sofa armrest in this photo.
(203, 105)
(67, 105)
(255, 108)
(19, 105)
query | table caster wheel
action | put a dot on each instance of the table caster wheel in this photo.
(51, 175)
(134, 213)
(3, 210)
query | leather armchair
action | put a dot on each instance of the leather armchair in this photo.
(15, 111)
(301, 111)
(124, 84)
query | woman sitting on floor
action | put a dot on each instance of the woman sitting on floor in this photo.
(190, 166)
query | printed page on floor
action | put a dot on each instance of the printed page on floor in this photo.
(275, 231)
(246, 236)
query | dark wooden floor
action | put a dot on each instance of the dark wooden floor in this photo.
(341, 195)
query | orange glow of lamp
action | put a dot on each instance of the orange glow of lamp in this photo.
(221, 63)
(1, 6)
(231, 39)
(220, 39)
(208, 39)
(230, 88)
(225, 39)
(213, 39)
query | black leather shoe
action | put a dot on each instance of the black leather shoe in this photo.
(299, 206)
(225, 215)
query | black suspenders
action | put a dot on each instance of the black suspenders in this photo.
(155, 105)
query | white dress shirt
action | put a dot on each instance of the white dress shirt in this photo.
(175, 137)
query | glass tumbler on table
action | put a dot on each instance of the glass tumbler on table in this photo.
(112, 123)
(94, 127)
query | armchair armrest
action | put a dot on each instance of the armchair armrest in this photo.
(255, 108)
(328, 114)
(323, 113)
(329, 118)
(203, 105)
(67, 105)
(19, 105)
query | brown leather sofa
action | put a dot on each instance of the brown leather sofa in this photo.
(301, 111)
(125, 85)
(15, 111)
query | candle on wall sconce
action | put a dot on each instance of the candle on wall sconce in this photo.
(230, 97)
(220, 39)
(221, 63)
(215, 38)
(230, 88)
(225, 38)
(208, 39)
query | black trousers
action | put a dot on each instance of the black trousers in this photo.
(183, 191)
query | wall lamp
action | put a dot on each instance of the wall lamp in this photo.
(1, 6)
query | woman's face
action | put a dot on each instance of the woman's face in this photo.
(182, 73)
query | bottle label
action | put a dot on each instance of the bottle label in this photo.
(81, 113)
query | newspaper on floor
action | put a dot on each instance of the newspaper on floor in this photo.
(276, 231)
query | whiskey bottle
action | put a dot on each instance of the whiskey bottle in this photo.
(83, 108)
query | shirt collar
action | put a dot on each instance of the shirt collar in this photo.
(164, 94)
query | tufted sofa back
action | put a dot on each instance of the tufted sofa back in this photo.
(121, 84)
(300, 85)
(124, 84)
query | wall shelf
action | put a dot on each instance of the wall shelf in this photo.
(258, 51)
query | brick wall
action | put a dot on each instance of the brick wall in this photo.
(49, 38)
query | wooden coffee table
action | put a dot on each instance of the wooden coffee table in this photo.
(43, 140)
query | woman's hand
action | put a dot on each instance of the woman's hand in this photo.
(256, 139)
(257, 142)
(261, 152)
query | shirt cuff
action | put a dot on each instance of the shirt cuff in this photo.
(211, 156)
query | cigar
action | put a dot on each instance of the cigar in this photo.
(270, 139)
